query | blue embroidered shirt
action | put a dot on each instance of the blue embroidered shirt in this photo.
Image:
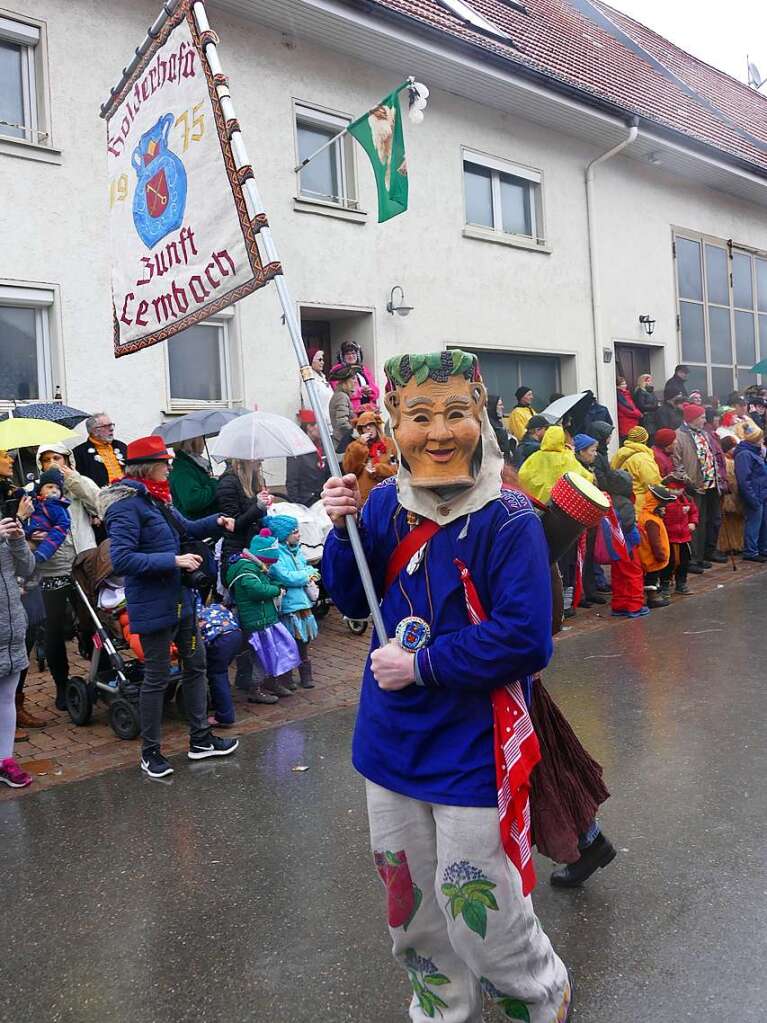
(435, 741)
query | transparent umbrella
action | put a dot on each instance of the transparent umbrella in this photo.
(260, 435)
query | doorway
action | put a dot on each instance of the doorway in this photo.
(326, 328)
(631, 361)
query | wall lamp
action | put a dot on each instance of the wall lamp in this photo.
(648, 323)
(398, 305)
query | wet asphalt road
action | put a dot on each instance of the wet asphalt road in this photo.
(242, 890)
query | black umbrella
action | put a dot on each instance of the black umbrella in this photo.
(53, 411)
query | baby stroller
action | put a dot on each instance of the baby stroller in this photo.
(112, 679)
(314, 526)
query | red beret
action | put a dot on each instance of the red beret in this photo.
(306, 415)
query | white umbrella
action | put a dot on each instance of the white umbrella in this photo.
(261, 435)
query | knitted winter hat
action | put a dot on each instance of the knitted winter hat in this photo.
(599, 429)
(752, 436)
(664, 437)
(53, 475)
(265, 546)
(521, 392)
(638, 434)
(692, 412)
(582, 441)
(281, 526)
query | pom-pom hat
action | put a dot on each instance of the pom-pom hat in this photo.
(265, 546)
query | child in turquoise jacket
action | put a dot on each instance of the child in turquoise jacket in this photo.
(274, 648)
(293, 573)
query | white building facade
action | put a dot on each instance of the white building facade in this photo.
(504, 250)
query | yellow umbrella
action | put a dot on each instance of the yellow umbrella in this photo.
(26, 433)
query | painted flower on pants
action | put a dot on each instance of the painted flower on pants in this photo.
(403, 896)
(424, 975)
(469, 894)
(512, 1008)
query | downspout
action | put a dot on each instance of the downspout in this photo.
(596, 302)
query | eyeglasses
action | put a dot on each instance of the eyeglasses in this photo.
(106, 426)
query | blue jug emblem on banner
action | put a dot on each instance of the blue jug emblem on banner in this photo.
(160, 198)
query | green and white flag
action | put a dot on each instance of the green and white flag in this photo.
(380, 134)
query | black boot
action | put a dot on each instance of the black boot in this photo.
(61, 696)
(276, 686)
(597, 855)
(305, 674)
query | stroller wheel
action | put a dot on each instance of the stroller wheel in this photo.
(321, 608)
(124, 719)
(357, 625)
(79, 702)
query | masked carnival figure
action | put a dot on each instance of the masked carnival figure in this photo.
(443, 736)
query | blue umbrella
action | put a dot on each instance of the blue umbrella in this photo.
(760, 367)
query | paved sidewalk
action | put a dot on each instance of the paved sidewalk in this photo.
(62, 752)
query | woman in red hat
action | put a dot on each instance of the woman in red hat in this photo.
(148, 536)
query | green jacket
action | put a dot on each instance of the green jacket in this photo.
(193, 490)
(254, 595)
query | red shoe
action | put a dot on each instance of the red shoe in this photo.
(12, 774)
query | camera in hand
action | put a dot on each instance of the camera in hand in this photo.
(9, 509)
(197, 578)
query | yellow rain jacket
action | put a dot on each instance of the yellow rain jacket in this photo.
(639, 462)
(518, 419)
(543, 468)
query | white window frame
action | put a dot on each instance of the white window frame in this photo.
(732, 248)
(345, 160)
(228, 352)
(41, 300)
(37, 142)
(497, 167)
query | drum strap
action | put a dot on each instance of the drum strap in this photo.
(407, 547)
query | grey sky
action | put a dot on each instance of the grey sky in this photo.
(720, 34)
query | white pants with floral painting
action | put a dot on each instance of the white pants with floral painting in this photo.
(460, 924)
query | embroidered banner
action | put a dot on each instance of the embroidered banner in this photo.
(182, 243)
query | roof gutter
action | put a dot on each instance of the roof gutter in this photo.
(596, 297)
(555, 85)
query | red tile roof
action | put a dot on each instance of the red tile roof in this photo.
(620, 63)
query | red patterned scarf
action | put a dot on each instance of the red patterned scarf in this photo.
(516, 754)
(159, 489)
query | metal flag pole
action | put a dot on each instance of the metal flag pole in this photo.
(345, 131)
(307, 375)
(256, 207)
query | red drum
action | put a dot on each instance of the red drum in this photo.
(575, 505)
